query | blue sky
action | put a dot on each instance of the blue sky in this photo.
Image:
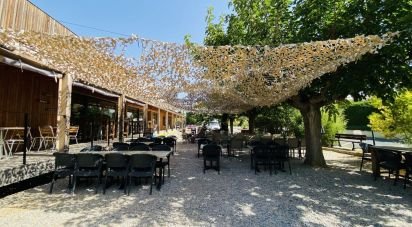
(167, 20)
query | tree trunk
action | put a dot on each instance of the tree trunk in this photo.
(312, 120)
(251, 116)
(223, 124)
(231, 119)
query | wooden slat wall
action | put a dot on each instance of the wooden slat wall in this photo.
(26, 92)
(23, 15)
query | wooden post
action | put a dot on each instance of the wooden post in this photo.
(167, 120)
(144, 126)
(63, 112)
(158, 120)
(120, 116)
(26, 142)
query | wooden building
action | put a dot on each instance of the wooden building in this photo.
(51, 97)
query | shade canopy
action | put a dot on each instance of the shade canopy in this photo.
(228, 79)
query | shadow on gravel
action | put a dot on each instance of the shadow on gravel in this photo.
(338, 195)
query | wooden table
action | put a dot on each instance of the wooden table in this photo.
(375, 166)
(159, 154)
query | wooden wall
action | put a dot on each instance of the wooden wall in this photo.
(23, 15)
(26, 92)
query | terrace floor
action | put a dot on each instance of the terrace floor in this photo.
(336, 196)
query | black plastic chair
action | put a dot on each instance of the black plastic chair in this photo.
(171, 142)
(116, 166)
(408, 167)
(63, 167)
(118, 146)
(164, 163)
(139, 147)
(141, 166)
(158, 140)
(262, 157)
(144, 139)
(211, 153)
(280, 155)
(253, 144)
(92, 148)
(88, 165)
(389, 160)
(366, 154)
(200, 142)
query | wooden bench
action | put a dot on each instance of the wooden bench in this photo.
(350, 138)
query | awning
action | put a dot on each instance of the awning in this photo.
(24, 66)
(134, 102)
(97, 90)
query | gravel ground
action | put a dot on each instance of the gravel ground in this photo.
(336, 196)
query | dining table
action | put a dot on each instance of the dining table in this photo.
(159, 154)
(372, 149)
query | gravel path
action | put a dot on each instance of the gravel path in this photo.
(337, 196)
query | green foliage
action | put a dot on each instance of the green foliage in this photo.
(394, 119)
(280, 119)
(357, 115)
(196, 119)
(332, 123)
(241, 121)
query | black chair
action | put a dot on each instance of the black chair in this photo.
(63, 167)
(200, 142)
(389, 160)
(366, 154)
(118, 146)
(158, 140)
(171, 142)
(141, 166)
(280, 155)
(92, 148)
(211, 153)
(116, 166)
(139, 147)
(164, 163)
(88, 165)
(262, 157)
(144, 139)
(408, 167)
(252, 144)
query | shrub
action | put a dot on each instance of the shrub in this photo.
(394, 119)
(357, 115)
(332, 124)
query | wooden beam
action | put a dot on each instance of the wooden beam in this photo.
(167, 120)
(63, 112)
(158, 120)
(145, 124)
(120, 116)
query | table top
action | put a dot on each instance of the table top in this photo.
(11, 128)
(398, 149)
(158, 154)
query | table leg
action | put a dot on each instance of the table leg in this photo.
(159, 184)
(375, 166)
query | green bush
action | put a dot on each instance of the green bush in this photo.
(357, 115)
(332, 124)
(394, 120)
